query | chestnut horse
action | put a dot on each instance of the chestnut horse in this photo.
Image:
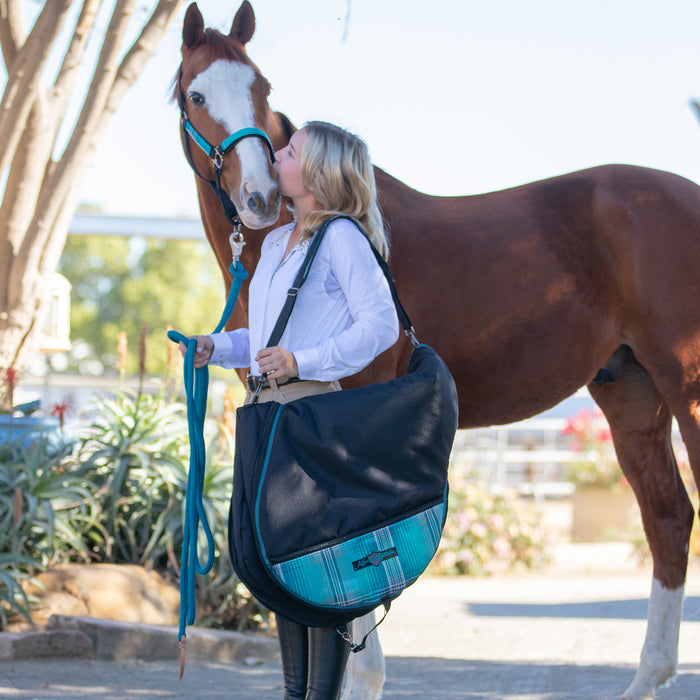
(590, 278)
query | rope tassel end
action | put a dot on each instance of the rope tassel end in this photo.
(182, 657)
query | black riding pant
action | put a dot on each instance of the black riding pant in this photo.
(313, 660)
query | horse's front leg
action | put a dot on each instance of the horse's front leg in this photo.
(366, 670)
(640, 422)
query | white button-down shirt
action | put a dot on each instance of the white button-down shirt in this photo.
(344, 314)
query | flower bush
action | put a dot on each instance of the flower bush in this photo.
(488, 534)
(597, 465)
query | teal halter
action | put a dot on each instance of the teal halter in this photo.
(216, 153)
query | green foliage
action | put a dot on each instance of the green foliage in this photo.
(118, 496)
(13, 599)
(137, 453)
(135, 450)
(46, 507)
(46, 503)
(488, 534)
(120, 284)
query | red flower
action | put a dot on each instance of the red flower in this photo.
(61, 410)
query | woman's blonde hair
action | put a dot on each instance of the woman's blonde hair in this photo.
(337, 166)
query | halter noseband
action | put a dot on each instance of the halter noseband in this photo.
(216, 153)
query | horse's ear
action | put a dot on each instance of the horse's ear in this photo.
(243, 26)
(193, 27)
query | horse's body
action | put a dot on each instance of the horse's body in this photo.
(590, 278)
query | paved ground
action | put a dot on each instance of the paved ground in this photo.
(571, 634)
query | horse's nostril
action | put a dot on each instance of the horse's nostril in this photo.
(256, 203)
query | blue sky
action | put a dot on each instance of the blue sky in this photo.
(452, 96)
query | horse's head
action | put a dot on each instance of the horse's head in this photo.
(223, 99)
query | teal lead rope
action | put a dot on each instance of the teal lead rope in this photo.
(196, 389)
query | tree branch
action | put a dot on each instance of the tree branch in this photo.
(56, 186)
(12, 34)
(34, 252)
(74, 53)
(60, 189)
(24, 75)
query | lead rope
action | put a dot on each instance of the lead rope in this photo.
(196, 388)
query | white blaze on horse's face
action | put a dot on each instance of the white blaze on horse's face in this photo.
(226, 87)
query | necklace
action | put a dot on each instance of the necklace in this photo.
(285, 233)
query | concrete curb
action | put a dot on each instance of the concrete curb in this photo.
(68, 636)
(51, 644)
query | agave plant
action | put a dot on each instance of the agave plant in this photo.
(46, 504)
(117, 495)
(135, 449)
(46, 507)
(13, 599)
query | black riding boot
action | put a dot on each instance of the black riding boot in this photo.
(313, 661)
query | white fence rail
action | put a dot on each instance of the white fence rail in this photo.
(531, 456)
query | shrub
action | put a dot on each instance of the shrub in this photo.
(597, 464)
(46, 506)
(486, 533)
(136, 451)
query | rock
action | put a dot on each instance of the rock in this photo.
(123, 592)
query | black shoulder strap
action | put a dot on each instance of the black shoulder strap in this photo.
(304, 273)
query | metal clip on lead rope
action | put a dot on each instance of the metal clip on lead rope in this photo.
(236, 242)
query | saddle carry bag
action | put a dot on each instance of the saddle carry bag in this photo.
(339, 499)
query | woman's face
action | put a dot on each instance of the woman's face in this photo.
(288, 167)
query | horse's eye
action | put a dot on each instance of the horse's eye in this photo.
(196, 98)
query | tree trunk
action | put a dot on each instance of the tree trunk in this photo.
(41, 192)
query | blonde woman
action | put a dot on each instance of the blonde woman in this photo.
(343, 318)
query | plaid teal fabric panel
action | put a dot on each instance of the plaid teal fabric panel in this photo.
(367, 569)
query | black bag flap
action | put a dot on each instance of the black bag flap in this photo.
(344, 462)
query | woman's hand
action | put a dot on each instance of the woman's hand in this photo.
(277, 363)
(202, 355)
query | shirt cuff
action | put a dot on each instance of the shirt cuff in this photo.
(308, 363)
(222, 348)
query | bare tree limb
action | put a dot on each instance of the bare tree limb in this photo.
(695, 104)
(23, 78)
(12, 34)
(56, 186)
(74, 53)
(41, 194)
(129, 70)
